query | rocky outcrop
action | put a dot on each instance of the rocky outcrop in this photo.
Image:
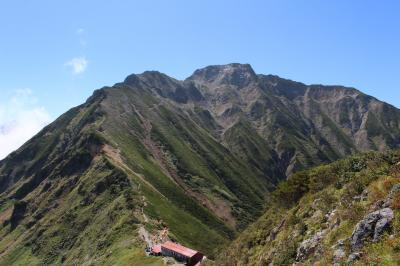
(310, 246)
(372, 226)
(332, 219)
(239, 75)
(275, 231)
(338, 252)
(389, 199)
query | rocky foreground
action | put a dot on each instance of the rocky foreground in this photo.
(345, 212)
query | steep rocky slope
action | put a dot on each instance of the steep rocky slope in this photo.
(198, 157)
(345, 212)
(301, 125)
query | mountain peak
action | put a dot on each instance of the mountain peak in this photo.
(153, 149)
(153, 79)
(235, 74)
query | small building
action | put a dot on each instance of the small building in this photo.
(181, 253)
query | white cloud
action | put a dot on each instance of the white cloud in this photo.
(78, 64)
(80, 31)
(20, 119)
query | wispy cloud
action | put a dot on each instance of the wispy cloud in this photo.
(81, 34)
(20, 119)
(78, 64)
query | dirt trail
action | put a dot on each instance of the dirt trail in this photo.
(144, 235)
(142, 210)
(115, 156)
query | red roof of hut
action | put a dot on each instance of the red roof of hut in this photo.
(179, 249)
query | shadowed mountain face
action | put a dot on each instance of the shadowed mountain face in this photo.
(197, 156)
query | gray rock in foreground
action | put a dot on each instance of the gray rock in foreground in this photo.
(372, 226)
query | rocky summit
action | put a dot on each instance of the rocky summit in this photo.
(194, 161)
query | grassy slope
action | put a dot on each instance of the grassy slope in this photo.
(89, 226)
(289, 133)
(203, 164)
(84, 206)
(244, 141)
(302, 202)
(81, 209)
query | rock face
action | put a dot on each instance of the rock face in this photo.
(309, 246)
(239, 75)
(373, 225)
(297, 125)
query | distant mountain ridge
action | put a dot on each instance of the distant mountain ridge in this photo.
(155, 152)
(339, 120)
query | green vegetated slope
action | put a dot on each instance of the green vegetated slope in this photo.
(69, 203)
(86, 198)
(314, 210)
(198, 157)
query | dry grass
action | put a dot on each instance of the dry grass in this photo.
(396, 201)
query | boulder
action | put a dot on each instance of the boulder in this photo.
(373, 225)
(387, 216)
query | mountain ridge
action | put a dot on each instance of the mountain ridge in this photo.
(204, 152)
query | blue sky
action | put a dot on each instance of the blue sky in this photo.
(53, 54)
